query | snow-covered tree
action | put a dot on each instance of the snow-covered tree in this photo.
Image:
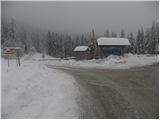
(133, 43)
(25, 42)
(4, 32)
(140, 41)
(147, 40)
(154, 37)
(50, 44)
(122, 33)
(107, 34)
(12, 30)
(114, 34)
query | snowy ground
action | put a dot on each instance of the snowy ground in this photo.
(36, 91)
(112, 62)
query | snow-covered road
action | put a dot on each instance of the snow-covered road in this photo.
(36, 91)
(117, 94)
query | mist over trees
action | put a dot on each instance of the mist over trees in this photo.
(62, 45)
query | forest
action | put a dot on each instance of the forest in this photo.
(58, 44)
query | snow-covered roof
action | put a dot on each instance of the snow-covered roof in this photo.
(13, 47)
(104, 41)
(81, 48)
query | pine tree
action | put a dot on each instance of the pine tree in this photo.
(114, 34)
(147, 40)
(154, 38)
(77, 40)
(82, 40)
(140, 41)
(138, 44)
(24, 41)
(12, 32)
(107, 34)
(122, 33)
(133, 43)
(50, 44)
(4, 32)
(93, 45)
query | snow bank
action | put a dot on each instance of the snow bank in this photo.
(36, 91)
(38, 57)
(112, 62)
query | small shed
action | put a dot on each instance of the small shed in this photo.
(81, 52)
(107, 46)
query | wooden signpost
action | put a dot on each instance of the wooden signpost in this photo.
(10, 52)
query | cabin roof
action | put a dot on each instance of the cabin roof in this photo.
(81, 48)
(105, 41)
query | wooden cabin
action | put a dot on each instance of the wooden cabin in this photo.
(81, 52)
(107, 46)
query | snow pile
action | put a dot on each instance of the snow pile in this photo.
(112, 62)
(38, 57)
(35, 91)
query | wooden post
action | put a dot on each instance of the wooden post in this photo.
(8, 60)
(16, 61)
(121, 51)
(101, 52)
(18, 57)
(43, 55)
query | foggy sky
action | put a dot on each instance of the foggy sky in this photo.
(81, 17)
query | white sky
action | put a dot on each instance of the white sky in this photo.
(81, 17)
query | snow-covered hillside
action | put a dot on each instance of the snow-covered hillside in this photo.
(36, 91)
(112, 62)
